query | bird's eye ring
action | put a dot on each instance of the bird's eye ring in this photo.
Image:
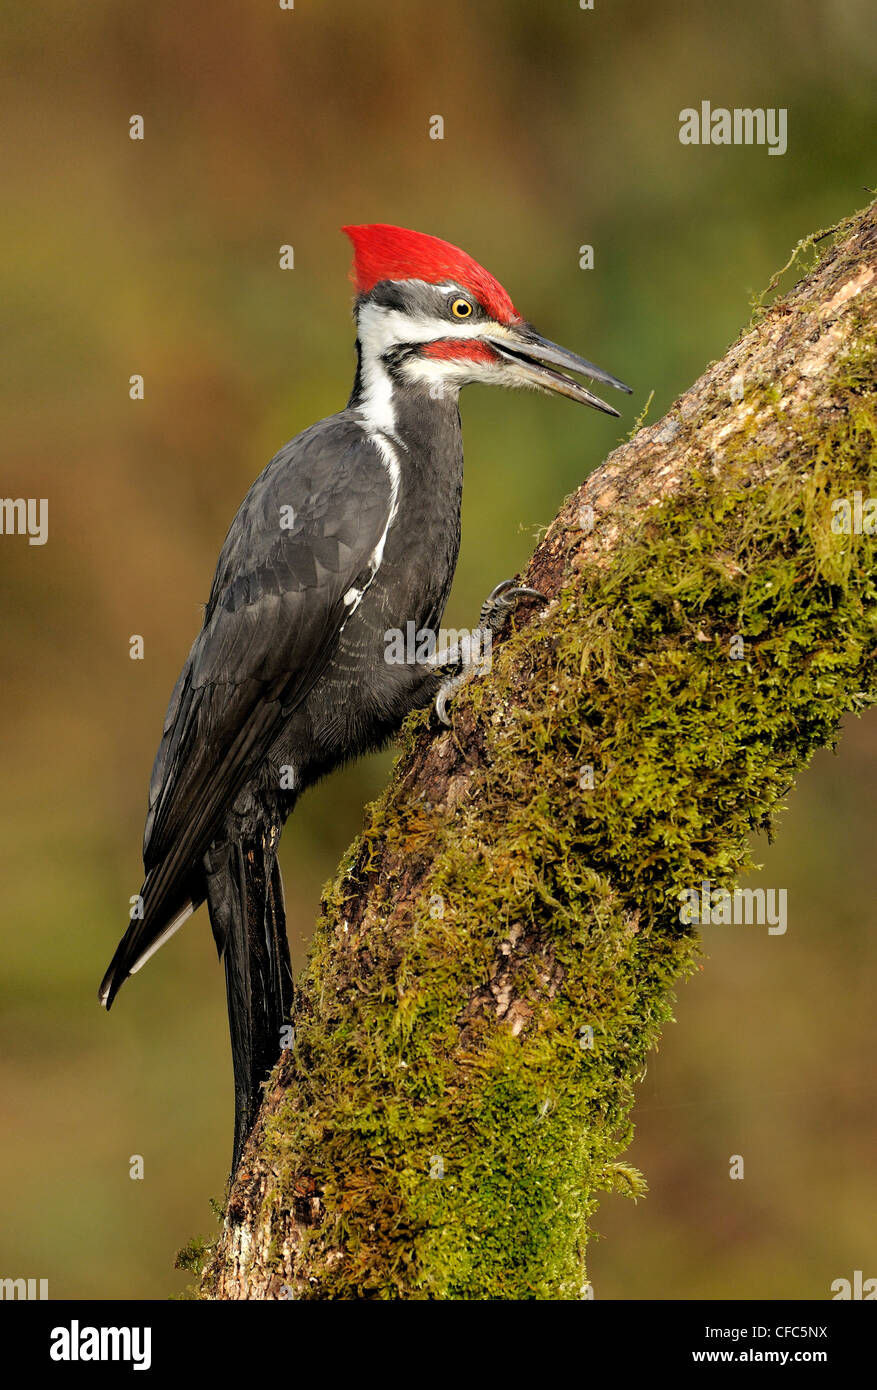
(461, 308)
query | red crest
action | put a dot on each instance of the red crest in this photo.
(382, 252)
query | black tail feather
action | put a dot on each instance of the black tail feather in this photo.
(245, 900)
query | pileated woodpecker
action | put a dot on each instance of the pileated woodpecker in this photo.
(352, 530)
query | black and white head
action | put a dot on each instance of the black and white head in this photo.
(431, 317)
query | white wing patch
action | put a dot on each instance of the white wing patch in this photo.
(170, 929)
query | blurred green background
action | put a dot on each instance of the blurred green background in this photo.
(266, 127)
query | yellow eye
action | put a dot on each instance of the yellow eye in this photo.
(461, 308)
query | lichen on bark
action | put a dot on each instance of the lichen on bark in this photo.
(498, 952)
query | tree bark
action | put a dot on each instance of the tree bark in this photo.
(498, 952)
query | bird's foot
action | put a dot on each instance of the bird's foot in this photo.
(502, 600)
(448, 689)
(499, 602)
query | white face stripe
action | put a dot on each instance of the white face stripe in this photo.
(377, 389)
(381, 328)
(378, 330)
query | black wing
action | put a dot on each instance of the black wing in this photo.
(304, 537)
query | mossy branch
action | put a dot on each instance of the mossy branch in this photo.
(499, 950)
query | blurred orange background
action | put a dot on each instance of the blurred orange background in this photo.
(266, 127)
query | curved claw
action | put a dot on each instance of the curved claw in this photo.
(500, 588)
(493, 610)
(504, 597)
(522, 591)
(447, 690)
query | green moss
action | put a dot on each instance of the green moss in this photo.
(804, 258)
(194, 1255)
(472, 1171)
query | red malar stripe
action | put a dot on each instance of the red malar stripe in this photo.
(463, 349)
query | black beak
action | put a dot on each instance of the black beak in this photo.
(534, 358)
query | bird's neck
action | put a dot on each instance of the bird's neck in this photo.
(425, 422)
